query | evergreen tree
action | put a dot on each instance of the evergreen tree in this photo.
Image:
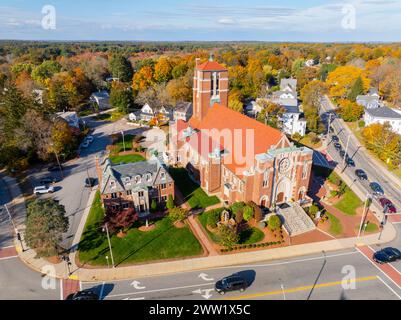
(121, 68)
(356, 90)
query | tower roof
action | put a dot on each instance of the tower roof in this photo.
(211, 66)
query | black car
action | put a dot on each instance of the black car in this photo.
(377, 189)
(83, 295)
(387, 255)
(337, 146)
(89, 182)
(48, 180)
(342, 153)
(361, 174)
(335, 139)
(232, 283)
(350, 162)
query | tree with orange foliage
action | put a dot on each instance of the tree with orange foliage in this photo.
(143, 79)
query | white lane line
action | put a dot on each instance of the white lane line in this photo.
(374, 264)
(61, 290)
(6, 247)
(391, 289)
(7, 258)
(101, 291)
(158, 290)
(246, 266)
(80, 285)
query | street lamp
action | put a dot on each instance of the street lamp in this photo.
(364, 213)
(108, 239)
(68, 262)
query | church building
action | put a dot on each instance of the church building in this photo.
(233, 156)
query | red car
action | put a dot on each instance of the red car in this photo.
(387, 204)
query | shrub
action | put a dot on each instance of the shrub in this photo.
(228, 236)
(361, 123)
(120, 219)
(213, 218)
(274, 223)
(170, 202)
(177, 214)
(258, 214)
(237, 207)
(333, 193)
(153, 205)
(334, 179)
(248, 213)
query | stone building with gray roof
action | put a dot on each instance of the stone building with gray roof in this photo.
(134, 185)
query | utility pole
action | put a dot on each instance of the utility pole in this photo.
(58, 162)
(328, 128)
(346, 149)
(363, 214)
(108, 239)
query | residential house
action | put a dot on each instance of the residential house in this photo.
(233, 156)
(310, 63)
(370, 100)
(183, 111)
(102, 99)
(134, 185)
(253, 108)
(38, 95)
(72, 119)
(384, 115)
(293, 121)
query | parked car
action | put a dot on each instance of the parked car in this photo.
(377, 189)
(232, 283)
(342, 153)
(90, 182)
(361, 174)
(350, 162)
(337, 146)
(48, 180)
(43, 190)
(85, 144)
(83, 295)
(387, 205)
(335, 139)
(387, 255)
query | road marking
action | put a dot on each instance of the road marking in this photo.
(61, 290)
(158, 290)
(141, 298)
(377, 267)
(391, 289)
(80, 285)
(7, 258)
(101, 291)
(298, 289)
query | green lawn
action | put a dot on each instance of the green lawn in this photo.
(164, 242)
(203, 220)
(371, 227)
(193, 193)
(251, 236)
(335, 225)
(349, 203)
(126, 158)
(127, 141)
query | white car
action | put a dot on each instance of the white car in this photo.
(43, 190)
(85, 144)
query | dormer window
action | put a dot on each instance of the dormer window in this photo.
(148, 177)
(138, 179)
(127, 180)
(112, 184)
(163, 176)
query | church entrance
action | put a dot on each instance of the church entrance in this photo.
(280, 198)
(263, 202)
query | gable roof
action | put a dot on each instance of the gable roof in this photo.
(384, 112)
(211, 66)
(222, 118)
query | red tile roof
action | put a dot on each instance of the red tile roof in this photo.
(221, 118)
(211, 66)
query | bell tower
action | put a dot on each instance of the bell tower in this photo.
(210, 87)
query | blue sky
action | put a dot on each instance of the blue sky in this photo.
(177, 20)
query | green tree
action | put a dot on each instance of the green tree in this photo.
(274, 222)
(356, 90)
(45, 71)
(228, 236)
(46, 222)
(177, 214)
(170, 202)
(248, 213)
(121, 96)
(153, 205)
(121, 68)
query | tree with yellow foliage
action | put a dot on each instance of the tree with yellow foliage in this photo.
(143, 79)
(341, 80)
(163, 70)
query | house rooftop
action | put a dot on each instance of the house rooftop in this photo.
(384, 113)
(211, 66)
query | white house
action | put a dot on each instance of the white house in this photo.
(287, 95)
(384, 115)
(253, 108)
(370, 100)
(310, 63)
(183, 111)
(101, 98)
(293, 121)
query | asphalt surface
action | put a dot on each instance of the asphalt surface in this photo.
(362, 161)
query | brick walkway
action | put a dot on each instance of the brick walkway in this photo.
(8, 252)
(69, 286)
(394, 218)
(200, 235)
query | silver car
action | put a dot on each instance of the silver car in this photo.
(43, 190)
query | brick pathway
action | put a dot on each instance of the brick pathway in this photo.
(8, 252)
(394, 218)
(69, 286)
(387, 269)
(200, 235)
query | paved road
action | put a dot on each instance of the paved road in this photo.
(71, 191)
(310, 277)
(362, 161)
